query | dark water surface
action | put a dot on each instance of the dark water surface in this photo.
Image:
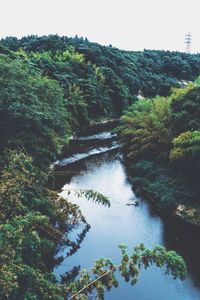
(129, 225)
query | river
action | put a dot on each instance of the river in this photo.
(127, 224)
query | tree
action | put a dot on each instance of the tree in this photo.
(33, 112)
(145, 130)
(186, 148)
(186, 111)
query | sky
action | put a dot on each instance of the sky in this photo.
(126, 24)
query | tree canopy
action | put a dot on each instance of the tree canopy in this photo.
(50, 87)
(161, 139)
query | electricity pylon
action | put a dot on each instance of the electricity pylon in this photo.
(188, 42)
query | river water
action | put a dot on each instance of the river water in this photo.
(127, 224)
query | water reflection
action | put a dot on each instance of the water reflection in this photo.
(130, 225)
(185, 239)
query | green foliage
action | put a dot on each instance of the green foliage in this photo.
(186, 126)
(77, 106)
(33, 111)
(92, 196)
(145, 129)
(186, 147)
(165, 130)
(186, 111)
(108, 78)
(40, 222)
(35, 223)
(104, 270)
(197, 81)
(50, 87)
(69, 56)
(164, 186)
(83, 83)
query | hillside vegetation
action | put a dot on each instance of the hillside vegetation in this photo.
(49, 88)
(161, 138)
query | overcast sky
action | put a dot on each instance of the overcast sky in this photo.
(126, 24)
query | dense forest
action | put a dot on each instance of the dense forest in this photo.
(50, 87)
(98, 80)
(161, 138)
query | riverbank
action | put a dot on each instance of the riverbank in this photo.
(169, 192)
(189, 214)
(122, 223)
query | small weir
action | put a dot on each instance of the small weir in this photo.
(87, 146)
